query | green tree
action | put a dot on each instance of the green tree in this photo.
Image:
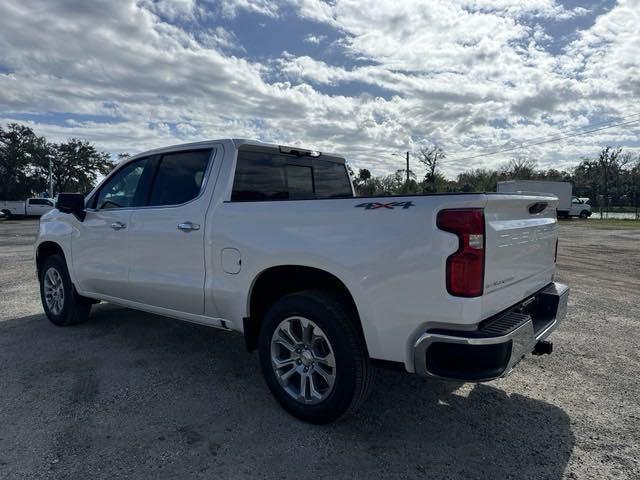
(20, 149)
(478, 180)
(76, 165)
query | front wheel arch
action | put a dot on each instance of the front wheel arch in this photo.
(47, 249)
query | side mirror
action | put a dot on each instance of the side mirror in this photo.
(72, 203)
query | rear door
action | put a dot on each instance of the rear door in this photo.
(521, 233)
(166, 238)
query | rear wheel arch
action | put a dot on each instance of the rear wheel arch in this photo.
(272, 284)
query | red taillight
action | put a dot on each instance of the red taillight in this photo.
(465, 267)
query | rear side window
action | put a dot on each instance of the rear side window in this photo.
(179, 177)
(39, 201)
(269, 175)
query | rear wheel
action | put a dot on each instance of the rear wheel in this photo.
(7, 214)
(62, 304)
(313, 356)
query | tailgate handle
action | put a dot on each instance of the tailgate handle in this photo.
(537, 207)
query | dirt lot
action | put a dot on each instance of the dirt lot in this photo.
(132, 395)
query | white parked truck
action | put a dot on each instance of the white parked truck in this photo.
(568, 205)
(269, 241)
(31, 207)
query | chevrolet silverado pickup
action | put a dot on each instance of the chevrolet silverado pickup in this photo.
(271, 242)
(31, 207)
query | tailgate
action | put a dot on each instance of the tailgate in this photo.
(521, 233)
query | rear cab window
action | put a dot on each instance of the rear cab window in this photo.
(265, 173)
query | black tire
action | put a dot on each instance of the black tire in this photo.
(7, 214)
(584, 214)
(353, 372)
(75, 308)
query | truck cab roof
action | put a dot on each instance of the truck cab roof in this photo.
(237, 143)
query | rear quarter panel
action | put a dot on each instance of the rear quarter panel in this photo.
(391, 260)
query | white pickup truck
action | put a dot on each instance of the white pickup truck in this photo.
(31, 207)
(270, 241)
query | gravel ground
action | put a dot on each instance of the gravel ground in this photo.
(133, 395)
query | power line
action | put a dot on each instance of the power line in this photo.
(551, 140)
(571, 130)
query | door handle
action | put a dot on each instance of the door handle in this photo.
(188, 226)
(118, 225)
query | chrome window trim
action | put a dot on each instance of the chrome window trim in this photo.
(214, 151)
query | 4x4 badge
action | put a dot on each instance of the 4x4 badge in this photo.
(390, 205)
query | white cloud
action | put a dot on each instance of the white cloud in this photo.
(316, 39)
(173, 9)
(470, 75)
(230, 8)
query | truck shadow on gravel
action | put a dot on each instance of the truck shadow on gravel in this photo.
(135, 394)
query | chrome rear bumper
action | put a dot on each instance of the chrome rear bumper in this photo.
(498, 344)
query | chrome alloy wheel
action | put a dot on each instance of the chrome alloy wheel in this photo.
(302, 359)
(53, 291)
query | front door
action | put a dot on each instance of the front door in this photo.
(166, 238)
(100, 248)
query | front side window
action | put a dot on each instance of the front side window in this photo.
(123, 190)
(179, 177)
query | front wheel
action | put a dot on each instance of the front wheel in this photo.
(62, 304)
(313, 356)
(584, 214)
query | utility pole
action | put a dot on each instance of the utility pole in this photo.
(407, 157)
(50, 177)
(407, 168)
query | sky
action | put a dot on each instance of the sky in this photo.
(365, 79)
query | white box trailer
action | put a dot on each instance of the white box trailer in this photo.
(568, 205)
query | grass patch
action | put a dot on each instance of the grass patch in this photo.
(605, 223)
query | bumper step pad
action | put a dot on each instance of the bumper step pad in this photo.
(504, 324)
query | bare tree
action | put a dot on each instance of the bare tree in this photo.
(431, 157)
(520, 168)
